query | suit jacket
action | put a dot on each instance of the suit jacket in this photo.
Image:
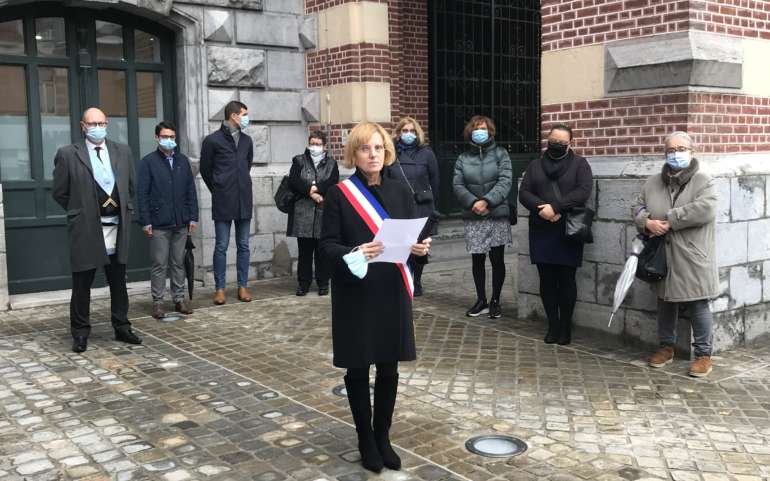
(74, 189)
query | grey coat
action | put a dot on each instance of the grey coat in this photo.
(74, 190)
(690, 245)
(305, 219)
(483, 172)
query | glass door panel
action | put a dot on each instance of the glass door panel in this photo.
(149, 99)
(14, 141)
(112, 101)
(54, 114)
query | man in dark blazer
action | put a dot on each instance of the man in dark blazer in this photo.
(93, 182)
(225, 165)
(168, 212)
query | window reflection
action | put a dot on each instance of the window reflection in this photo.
(149, 98)
(54, 114)
(109, 41)
(12, 37)
(14, 142)
(146, 47)
(50, 37)
(112, 100)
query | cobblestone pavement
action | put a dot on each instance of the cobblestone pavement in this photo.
(245, 392)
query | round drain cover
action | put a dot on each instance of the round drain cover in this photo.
(496, 446)
(171, 318)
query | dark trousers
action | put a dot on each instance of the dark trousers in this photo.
(308, 250)
(497, 258)
(558, 291)
(80, 302)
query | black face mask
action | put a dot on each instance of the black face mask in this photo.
(556, 150)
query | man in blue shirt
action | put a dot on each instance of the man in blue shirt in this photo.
(168, 212)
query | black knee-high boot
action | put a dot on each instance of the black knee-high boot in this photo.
(385, 392)
(361, 408)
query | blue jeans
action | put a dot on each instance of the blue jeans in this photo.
(222, 233)
(701, 321)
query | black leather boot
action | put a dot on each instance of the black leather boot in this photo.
(385, 392)
(552, 335)
(361, 408)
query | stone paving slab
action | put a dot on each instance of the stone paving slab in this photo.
(589, 411)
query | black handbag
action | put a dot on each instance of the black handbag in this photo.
(421, 196)
(284, 196)
(577, 220)
(652, 265)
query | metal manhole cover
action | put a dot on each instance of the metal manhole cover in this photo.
(171, 318)
(496, 446)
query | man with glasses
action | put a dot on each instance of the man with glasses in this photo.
(168, 211)
(93, 181)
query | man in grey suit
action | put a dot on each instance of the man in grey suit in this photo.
(93, 181)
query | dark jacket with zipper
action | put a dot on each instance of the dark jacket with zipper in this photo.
(417, 166)
(371, 317)
(225, 169)
(306, 217)
(166, 197)
(547, 242)
(483, 172)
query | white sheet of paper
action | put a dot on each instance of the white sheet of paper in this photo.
(398, 235)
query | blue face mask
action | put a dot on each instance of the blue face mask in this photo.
(357, 263)
(678, 160)
(96, 134)
(408, 138)
(167, 144)
(244, 121)
(480, 136)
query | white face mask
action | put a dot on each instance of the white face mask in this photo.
(316, 150)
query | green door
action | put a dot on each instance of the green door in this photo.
(55, 62)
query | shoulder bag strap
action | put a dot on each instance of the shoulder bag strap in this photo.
(405, 177)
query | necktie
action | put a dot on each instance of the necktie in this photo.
(97, 149)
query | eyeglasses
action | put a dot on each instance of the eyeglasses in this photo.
(96, 124)
(408, 131)
(367, 149)
(681, 148)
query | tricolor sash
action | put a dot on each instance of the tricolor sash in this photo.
(372, 213)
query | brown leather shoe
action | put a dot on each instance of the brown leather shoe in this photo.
(243, 295)
(219, 297)
(184, 307)
(701, 366)
(157, 310)
(662, 357)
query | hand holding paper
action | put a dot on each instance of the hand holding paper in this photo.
(397, 237)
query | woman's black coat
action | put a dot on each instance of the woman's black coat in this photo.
(417, 166)
(371, 317)
(547, 243)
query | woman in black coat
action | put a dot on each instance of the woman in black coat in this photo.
(557, 258)
(371, 311)
(310, 176)
(417, 167)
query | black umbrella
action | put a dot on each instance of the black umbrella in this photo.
(189, 265)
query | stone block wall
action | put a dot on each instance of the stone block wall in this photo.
(743, 255)
(253, 52)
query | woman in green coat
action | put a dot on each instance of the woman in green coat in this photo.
(680, 203)
(482, 181)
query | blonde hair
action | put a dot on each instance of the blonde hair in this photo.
(417, 129)
(359, 136)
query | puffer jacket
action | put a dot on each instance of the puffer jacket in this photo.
(483, 172)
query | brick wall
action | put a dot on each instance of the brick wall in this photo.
(637, 125)
(363, 62)
(318, 5)
(403, 64)
(745, 18)
(576, 23)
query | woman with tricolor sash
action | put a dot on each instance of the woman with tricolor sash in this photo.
(371, 302)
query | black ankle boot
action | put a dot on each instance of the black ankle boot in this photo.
(361, 408)
(552, 336)
(385, 392)
(565, 334)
